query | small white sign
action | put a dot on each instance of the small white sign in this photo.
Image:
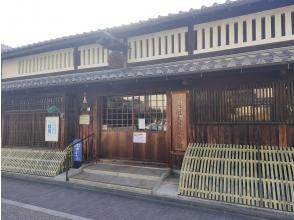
(139, 137)
(141, 123)
(104, 127)
(51, 129)
(84, 119)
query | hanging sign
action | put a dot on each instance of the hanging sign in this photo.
(52, 109)
(139, 137)
(84, 119)
(179, 121)
(51, 129)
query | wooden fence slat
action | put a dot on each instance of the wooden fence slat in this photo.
(33, 162)
(230, 173)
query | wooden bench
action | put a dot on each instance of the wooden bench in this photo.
(260, 176)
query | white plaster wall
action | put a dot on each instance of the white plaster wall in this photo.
(248, 18)
(42, 63)
(158, 54)
(92, 56)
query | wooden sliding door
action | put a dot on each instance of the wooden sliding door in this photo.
(121, 117)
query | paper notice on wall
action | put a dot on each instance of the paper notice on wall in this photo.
(104, 127)
(141, 123)
(51, 129)
(139, 137)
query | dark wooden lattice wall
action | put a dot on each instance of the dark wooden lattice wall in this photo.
(259, 113)
(23, 120)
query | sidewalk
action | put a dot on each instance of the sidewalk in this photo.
(167, 193)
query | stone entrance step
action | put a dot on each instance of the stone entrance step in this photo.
(134, 163)
(122, 177)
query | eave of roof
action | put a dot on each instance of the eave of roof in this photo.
(259, 58)
(77, 39)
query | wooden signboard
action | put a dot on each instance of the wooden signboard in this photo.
(84, 119)
(179, 121)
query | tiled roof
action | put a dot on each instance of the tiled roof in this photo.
(5, 48)
(196, 66)
(151, 21)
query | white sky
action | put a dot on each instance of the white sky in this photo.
(29, 21)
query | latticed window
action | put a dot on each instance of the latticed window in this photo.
(267, 102)
(24, 119)
(126, 112)
(35, 103)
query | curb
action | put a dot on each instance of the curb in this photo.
(179, 201)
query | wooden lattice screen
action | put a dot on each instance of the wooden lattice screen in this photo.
(250, 175)
(24, 119)
(260, 113)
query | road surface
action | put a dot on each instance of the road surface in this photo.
(27, 199)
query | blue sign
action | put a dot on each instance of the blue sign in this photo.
(78, 151)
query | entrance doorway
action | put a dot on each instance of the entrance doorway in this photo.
(125, 115)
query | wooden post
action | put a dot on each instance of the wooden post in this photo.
(179, 126)
(97, 127)
(62, 122)
(169, 127)
(2, 127)
(283, 135)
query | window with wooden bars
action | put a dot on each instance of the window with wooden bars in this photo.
(124, 112)
(268, 102)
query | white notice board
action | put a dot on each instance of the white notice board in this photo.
(51, 128)
(141, 123)
(139, 137)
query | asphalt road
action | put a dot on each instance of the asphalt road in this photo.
(13, 212)
(26, 199)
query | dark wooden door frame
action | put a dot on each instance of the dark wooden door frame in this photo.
(99, 119)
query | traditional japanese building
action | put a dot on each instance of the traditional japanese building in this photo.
(219, 74)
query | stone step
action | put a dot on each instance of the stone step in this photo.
(119, 170)
(133, 163)
(115, 182)
(122, 177)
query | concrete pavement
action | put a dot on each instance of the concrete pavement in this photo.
(102, 205)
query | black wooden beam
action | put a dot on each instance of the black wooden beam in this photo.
(76, 58)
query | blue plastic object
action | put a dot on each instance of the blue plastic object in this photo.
(77, 152)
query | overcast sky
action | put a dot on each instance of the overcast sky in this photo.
(28, 21)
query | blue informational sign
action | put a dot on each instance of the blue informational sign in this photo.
(77, 151)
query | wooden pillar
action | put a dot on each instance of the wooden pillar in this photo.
(283, 136)
(179, 114)
(86, 127)
(62, 114)
(2, 127)
(169, 126)
(97, 110)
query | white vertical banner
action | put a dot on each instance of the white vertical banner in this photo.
(141, 123)
(52, 128)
